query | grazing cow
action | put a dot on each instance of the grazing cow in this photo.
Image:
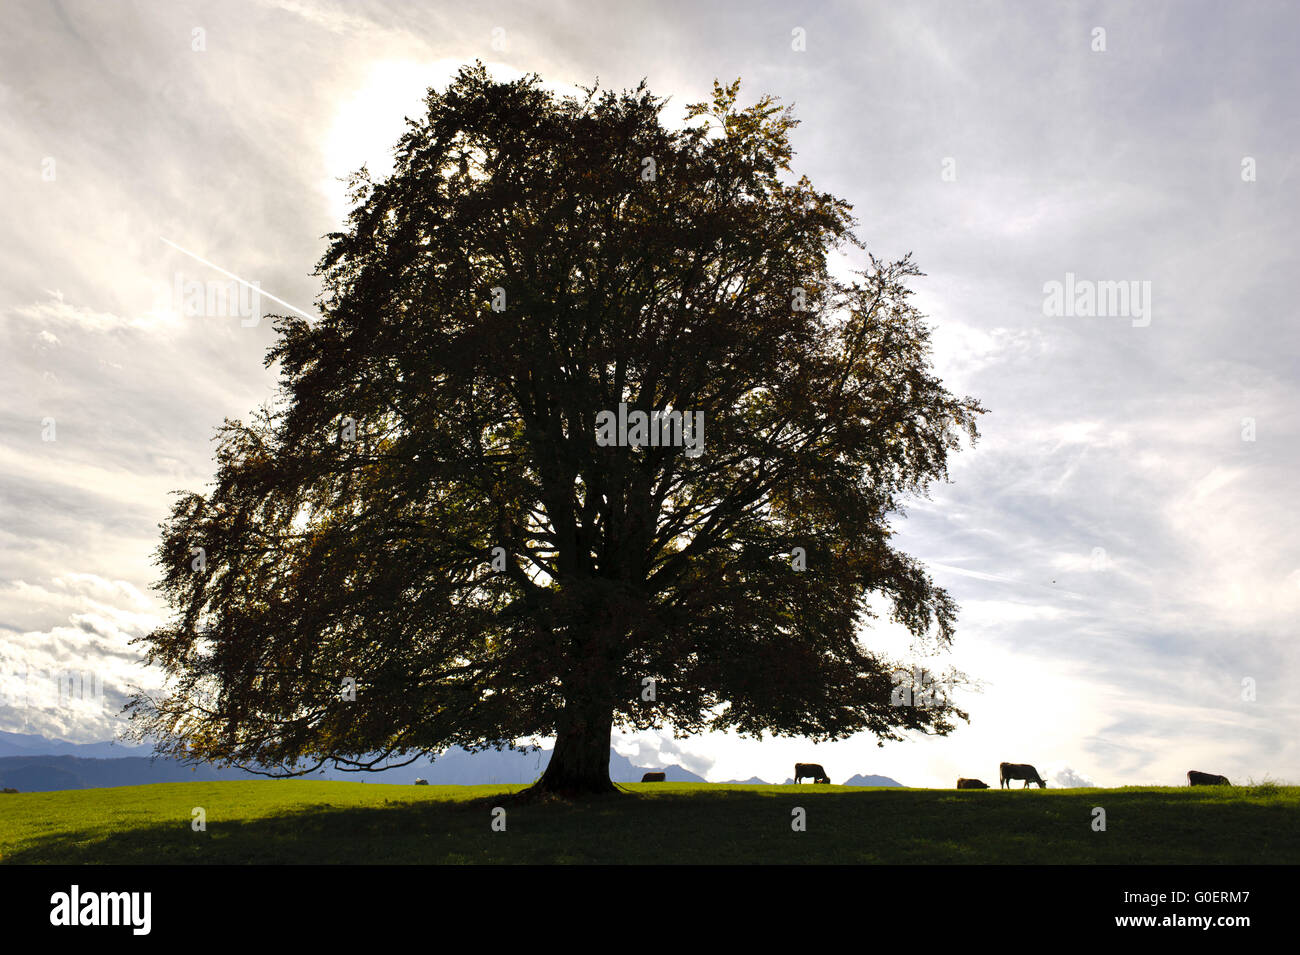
(811, 770)
(1206, 779)
(964, 783)
(421, 782)
(1010, 771)
(652, 778)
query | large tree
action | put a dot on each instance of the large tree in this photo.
(434, 514)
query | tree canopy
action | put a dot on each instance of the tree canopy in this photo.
(425, 542)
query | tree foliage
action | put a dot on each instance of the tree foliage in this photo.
(350, 532)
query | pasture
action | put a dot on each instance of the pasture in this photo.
(305, 821)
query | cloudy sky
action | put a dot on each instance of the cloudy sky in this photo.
(1122, 541)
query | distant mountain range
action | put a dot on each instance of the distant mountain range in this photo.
(21, 744)
(31, 763)
(870, 781)
(851, 781)
(859, 781)
(36, 764)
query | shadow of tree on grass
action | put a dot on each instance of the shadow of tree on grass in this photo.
(723, 826)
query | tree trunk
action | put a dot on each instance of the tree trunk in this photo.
(579, 763)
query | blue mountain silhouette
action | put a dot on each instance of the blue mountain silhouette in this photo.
(35, 764)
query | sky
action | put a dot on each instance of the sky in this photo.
(1122, 539)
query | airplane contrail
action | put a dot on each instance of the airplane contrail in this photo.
(979, 575)
(199, 258)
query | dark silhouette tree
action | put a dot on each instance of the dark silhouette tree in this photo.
(428, 521)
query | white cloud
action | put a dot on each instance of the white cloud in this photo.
(55, 311)
(1067, 778)
(70, 680)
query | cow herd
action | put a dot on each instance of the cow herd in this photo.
(1006, 773)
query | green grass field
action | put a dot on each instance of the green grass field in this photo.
(298, 821)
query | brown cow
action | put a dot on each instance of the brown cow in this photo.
(813, 770)
(964, 783)
(652, 778)
(1206, 779)
(1010, 771)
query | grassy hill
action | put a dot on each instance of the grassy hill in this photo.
(300, 821)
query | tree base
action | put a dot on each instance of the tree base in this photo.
(556, 791)
(579, 765)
